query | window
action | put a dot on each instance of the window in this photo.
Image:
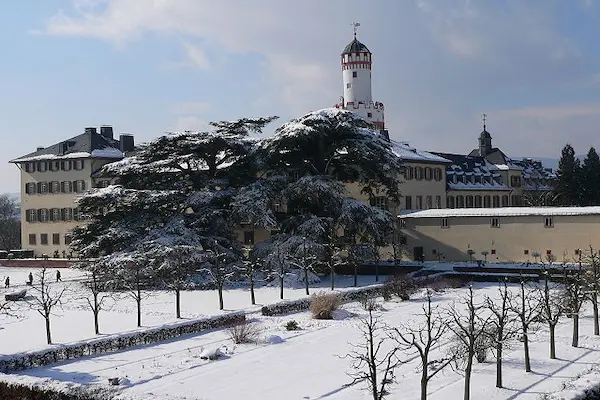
(478, 201)
(548, 222)
(55, 187)
(419, 202)
(408, 202)
(470, 202)
(66, 187)
(493, 251)
(31, 216)
(348, 85)
(495, 222)
(419, 173)
(428, 202)
(438, 201)
(444, 223)
(369, 115)
(78, 165)
(516, 200)
(30, 188)
(79, 186)
(248, 237)
(56, 238)
(278, 205)
(428, 174)
(29, 167)
(54, 166)
(548, 252)
(487, 201)
(515, 181)
(505, 201)
(67, 214)
(66, 165)
(55, 215)
(68, 238)
(44, 238)
(42, 166)
(495, 201)
(32, 239)
(42, 187)
(526, 252)
(402, 224)
(409, 173)
(460, 201)
(450, 202)
(380, 201)
(437, 174)
(43, 215)
(77, 215)
(354, 74)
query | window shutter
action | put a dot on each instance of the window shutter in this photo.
(82, 185)
(39, 215)
(39, 187)
(74, 186)
(27, 188)
(27, 216)
(62, 214)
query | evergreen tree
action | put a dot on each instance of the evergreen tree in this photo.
(590, 179)
(567, 189)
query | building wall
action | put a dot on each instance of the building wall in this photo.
(413, 187)
(516, 238)
(51, 201)
(453, 201)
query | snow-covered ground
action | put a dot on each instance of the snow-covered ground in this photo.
(308, 363)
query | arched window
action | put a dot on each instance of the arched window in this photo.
(478, 201)
(428, 173)
(460, 201)
(419, 173)
(505, 201)
(409, 173)
(437, 174)
(496, 201)
(487, 201)
(470, 201)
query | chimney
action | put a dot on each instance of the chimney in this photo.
(107, 131)
(385, 134)
(40, 148)
(90, 130)
(126, 143)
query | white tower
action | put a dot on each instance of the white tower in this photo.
(356, 74)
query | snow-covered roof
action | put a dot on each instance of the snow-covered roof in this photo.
(108, 152)
(477, 186)
(406, 152)
(500, 212)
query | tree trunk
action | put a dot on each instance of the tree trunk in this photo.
(220, 290)
(306, 280)
(499, 362)
(424, 381)
(526, 348)
(281, 286)
(468, 369)
(252, 298)
(178, 303)
(355, 274)
(575, 341)
(332, 273)
(48, 335)
(595, 306)
(552, 342)
(376, 271)
(96, 312)
(138, 300)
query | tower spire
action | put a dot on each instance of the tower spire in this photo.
(355, 26)
(484, 118)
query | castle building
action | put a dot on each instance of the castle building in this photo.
(51, 179)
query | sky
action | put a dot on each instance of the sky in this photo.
(148, 67)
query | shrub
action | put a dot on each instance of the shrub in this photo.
(292, 326)
(322, 305)
(369, 304)
(401, 286)
(441, 283)
(244, 332)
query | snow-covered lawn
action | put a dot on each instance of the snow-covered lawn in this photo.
(308, 363)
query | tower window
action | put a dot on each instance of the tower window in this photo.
(354, 74)
(369, 115)
(348, 85)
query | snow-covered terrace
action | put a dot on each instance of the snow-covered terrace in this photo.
(501, 212)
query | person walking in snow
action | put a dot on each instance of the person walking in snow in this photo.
(7, 282)
(58, 275)
(30, 279)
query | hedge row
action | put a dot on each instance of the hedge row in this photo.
(21, 361)
(292, 306)
(13, 391)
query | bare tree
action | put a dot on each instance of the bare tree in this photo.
(98, 295)
(370, 361)
(592, 281)
(133, 277)
(552, 308)
(576, 296)
(251, 266)
(504, 325)
(305, 260)
(10, 226)
(468, 325)
(48, 297)
(424, 338)
(335, 257)
(221, 266)
(527, 307)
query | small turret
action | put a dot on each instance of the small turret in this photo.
(485, 140)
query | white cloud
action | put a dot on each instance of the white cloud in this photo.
(197, 56)
(191, 107)
(190, 123)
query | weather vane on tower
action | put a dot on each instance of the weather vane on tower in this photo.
(484, 118)
(355, 26)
